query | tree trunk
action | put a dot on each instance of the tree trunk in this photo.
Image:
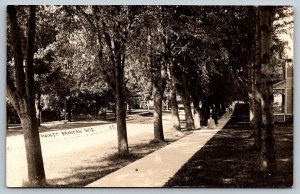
(174, 107)
(22, 94)
(39, 109)
(268, 156)
(120, 102)
(58, 113)
(188, 114)
(35, 165)
(157, 116)
(204, 113)
(197, 113)
(69, 111)
(129, 109)
(256, 121)
(186, 98)
(121, 123)
(158, 79)
(251, 97)
(174, 104)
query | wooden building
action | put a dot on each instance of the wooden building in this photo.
(283, 95)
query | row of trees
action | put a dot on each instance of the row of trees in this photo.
(200, 53)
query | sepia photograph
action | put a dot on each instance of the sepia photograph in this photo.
(149, 96)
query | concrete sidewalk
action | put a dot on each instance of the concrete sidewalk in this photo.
(155, 169)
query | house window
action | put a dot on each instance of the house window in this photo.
(289, 68)
(278, 103)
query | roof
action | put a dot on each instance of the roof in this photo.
(279, 85)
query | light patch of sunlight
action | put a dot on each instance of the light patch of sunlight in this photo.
(284, 159)
(227, 180)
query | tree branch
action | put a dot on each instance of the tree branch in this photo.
(11, 92)
(29, 55)
(17, 48)
(86, 17)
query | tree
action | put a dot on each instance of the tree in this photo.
(42, 71)
(268, 156)
(157, 66)
(159, 74)
(114, 19)
(100, 27)
(112, 26)
(163, 46)
(173, 99)
(22, 95)
(257, 87)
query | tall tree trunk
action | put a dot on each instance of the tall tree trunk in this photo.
(204, 113)
(251, 95)
(174, 104)
(157, 116)
(186, 98)
(174, 108)
(35, 165)
(257, 88)
(251, 59)
(158, 76)
(197, 113)
(69, 110)
(22, 95)
(158, 79)
(69, 115)
(268, 157)
(188, 114)
(120, 102)
(121, 123)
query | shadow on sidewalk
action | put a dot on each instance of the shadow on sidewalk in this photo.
(228, 159)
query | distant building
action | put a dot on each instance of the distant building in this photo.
(283, 95)
(283, 90)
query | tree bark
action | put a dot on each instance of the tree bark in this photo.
(251, 95)
(188, 114)
(186, 98)
(69, 114)
(116, 47)
(158, 76)
(257, 88)
(157, 116)
(69, 110)
(120, 102)
(35, 165)
(197, 113)
(174, 107)
(204, 113)
(39, 109)
(121, 121)
(22, 95)
(29, 74)
(268, 155)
